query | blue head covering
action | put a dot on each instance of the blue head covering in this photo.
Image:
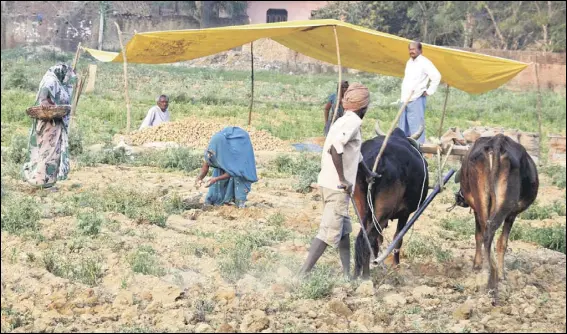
(231, 150)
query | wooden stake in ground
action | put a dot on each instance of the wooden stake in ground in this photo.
(92, 79)
(337, 99)
(251, 83)
(538, 107)
(125, 78)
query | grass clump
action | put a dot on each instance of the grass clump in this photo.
(552, 237)
(318, 284)
(557, 175)
(539, 212)
(19, 214)
(305, 167)
(144, 261)
(86, 270)
(90, 223)
(463, 227)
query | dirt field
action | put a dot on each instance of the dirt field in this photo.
(190, 285)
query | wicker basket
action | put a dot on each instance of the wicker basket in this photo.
(48, 113)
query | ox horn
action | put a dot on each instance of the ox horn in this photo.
(416, 135)
(377, 129)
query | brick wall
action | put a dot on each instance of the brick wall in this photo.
(551, 69)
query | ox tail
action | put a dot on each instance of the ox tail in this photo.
(495, 157)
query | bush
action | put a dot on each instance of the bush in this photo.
(539, 212)
(75, 142)
(19, 214)
(549, 237)
(557, 175)
(107, 157)
(85, 270)
(19, 80)
(319, 284)
(90, 223)
(182, 158)
(306, 167)
(464, 227)
(238, 258)
(18, 150)
(418, 247)
(144, 261)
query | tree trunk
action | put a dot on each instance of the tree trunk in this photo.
(424, 34)
(206, 13)
(468, 29)
(548, 45)
(503, 43)
(101, 24)
(545, 41)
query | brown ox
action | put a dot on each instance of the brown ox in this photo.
(498, 181)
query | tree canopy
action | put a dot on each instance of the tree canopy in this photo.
(506, 25)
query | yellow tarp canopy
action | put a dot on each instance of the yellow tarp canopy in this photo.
(360, 48)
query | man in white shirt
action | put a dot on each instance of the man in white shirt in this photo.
(339, 165)
(157, 114)
(419, 71)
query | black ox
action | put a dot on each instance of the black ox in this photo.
(398, 191)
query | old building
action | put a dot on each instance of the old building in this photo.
(278, 11)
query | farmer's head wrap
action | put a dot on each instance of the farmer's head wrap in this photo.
(356, 97)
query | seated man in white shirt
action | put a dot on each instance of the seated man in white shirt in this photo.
(157, 114)
(419, 71)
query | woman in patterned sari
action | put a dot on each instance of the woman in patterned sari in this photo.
(48, 148)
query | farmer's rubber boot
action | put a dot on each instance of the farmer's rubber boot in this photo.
(317, 249)
(344, 253)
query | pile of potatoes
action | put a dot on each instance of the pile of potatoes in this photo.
(196, 133)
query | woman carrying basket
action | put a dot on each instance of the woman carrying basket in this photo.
(48, 148)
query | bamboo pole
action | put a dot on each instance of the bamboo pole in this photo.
(128, 115)
(77, 56)
(444, 110)
(439, 165)
(538, 107)
(251, 83)
(392, 127)
(78, 89)
(337, 99)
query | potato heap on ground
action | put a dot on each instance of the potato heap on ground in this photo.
(196, 133)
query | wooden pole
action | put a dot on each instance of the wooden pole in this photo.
(125, 78)
(444, 110)
(251, 83)
(78, 89)
(538, 107)
(337, 99)
(77, 55)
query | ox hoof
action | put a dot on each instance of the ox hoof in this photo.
(477, 267)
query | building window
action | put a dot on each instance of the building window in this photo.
(276, 15)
